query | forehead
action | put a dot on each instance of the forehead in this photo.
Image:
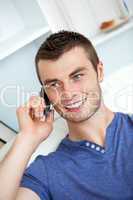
(63, 66)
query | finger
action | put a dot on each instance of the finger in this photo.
(34, 101)
(31, 113)
(23, 112)
(37, 105)
(43, 101)
(39, 113)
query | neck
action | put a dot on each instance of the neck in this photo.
(94, 128)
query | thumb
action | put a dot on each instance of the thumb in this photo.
(23, 113)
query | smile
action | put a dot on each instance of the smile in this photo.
(75, 105)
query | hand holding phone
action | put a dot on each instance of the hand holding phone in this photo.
(32, 122)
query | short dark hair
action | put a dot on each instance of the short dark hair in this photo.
(58, 43)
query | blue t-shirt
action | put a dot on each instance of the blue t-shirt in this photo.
(82, 170)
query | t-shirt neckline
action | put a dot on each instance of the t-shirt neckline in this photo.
(110, 131)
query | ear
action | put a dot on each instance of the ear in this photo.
(100, 71)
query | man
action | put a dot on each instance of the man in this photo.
(94, 161)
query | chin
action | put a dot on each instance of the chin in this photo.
(77, 118)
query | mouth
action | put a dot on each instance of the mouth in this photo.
(75, 106)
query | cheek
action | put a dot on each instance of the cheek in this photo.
(78, 87)
(86, 85)
(82, 85)
(92, 81)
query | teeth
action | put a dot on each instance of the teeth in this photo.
(75, 105)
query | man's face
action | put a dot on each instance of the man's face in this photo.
(72, 84)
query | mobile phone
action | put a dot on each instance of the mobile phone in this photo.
(47, 101)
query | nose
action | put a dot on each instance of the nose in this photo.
(68, 98)
(68, 93)
(66, 86)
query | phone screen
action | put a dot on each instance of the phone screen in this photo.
(47, 101)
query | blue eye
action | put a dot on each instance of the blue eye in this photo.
(77, 76)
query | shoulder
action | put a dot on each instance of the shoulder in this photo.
(126, 115)
(50, 158)
(127, 119)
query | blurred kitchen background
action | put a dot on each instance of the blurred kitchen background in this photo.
(25, 24)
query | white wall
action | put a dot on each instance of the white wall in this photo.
(16, 70)
(117, 52)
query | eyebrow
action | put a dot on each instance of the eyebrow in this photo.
(79, 69)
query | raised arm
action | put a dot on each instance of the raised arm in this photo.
(34, 128)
